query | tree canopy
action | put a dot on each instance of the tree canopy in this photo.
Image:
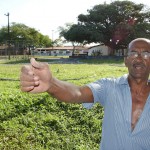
(23, 33)
(113, 25)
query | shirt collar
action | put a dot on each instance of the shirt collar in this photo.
(123, 79)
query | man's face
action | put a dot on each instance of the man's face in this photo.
(138, 60)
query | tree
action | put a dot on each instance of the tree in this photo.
(113, 25)
(69, 33)
(23, 37)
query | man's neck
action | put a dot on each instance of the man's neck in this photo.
(138, 83)
(137, 80)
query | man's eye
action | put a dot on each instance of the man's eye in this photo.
(146, 52)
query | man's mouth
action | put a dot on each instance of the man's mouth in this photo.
(139, 66)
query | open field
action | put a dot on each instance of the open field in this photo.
(39, 122)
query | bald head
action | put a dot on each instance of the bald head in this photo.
(139, 40)
(138, 58)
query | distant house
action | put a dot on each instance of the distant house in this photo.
(14, 50)
(3, 49)
(103, 50)
(60, 51)
(98, 50)
(121, 52)
(70, 50)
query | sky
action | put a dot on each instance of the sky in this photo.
(47, 15)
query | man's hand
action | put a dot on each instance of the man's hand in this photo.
(36, 77)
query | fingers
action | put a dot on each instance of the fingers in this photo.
(28, 80)
(26, 89)
(33, 75)
(28, 84)
(27, 69)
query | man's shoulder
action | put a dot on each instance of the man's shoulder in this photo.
(118, 80)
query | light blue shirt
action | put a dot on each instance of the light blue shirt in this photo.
(115, 96)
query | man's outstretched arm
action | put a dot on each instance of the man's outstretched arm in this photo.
(37, 78)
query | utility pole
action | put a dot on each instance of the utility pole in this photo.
(8, 36)
(52, 41)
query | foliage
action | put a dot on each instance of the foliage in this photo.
(67, 33)
(27, 36)
(29, 121)
(76, 33)
(113, 25)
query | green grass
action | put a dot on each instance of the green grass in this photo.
(39, 122)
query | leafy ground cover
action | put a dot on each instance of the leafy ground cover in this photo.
(39, 122)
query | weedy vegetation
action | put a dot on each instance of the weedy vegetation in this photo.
(39, 121)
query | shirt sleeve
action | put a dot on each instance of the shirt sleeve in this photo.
(99, 90)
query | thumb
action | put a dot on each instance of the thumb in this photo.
(37, 65)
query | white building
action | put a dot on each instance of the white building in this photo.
(60, 51)
(97, 50)
(104, 50)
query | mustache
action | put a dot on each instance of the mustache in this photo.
(140, 64)
(137, 63)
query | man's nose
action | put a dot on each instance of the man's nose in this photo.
(139, 57)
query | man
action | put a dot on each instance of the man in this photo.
(126, 100)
